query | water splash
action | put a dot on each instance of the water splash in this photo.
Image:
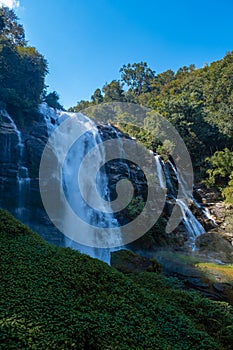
(72, 188)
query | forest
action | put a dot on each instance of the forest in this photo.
(197, 101)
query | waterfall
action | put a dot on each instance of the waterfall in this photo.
(99, 214)
(192, 225)
(185, 193)
(80, 204)
(102, 217)
(162, 179)
(205, 212)
(22, 177)
(50, 116)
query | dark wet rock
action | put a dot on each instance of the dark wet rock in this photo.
(206, 283)
(215, 245)
(34, 147)
(219, 287)
(193, 278)
(34, 137)
(8, 147)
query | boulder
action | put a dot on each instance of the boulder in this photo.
(213, 244)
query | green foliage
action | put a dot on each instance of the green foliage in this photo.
(198, 102)
(52, 100)
(138, 77)
(218, 91)
(228, 191)
(97, 97)
(22, 68)
(56, 298)
(221, 173)
(10, 30)
(135, 207)
(221, 168)
(161, 80)
(80, 106)
(165, 149)
(113, 92)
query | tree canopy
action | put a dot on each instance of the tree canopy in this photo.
(198, 102)
(22, 67)
(10, 29)
(52, 99)
(138, 77)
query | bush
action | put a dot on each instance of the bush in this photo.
(56, 298)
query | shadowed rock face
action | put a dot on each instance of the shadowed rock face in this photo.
(8, 148)
(208, 280)
(33, 140)
(19, 149)
(26, 204)
(214, 244)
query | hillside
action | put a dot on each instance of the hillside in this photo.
(55, 298)
(197, 101)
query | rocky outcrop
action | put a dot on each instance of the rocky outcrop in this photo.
(9, 152)
(20, 154)
(220, 212)
(26, 154)
(33, 138)
(120, 168)
(205, 278)
(213, 244)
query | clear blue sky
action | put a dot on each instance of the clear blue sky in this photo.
(86, 42)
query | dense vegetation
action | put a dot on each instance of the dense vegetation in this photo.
(22, 69)
(220, 174)
(198, 102)
(56, 298)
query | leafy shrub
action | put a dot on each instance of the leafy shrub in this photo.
(56, 298)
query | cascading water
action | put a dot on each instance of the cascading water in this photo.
(100, 218)
(22, 178)
(162, 179)
(189, 195)
(50, 116)
(192, 225)
(167, 179)
(205, 212)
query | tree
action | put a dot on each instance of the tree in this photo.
(80, 106)
(162, 80)
(52, 100)
(138, 77)
(218, 93)
(22, 68)
(221, 168)
(228, 191)
(185, 70)
(10, 29)
(22, 76)
(113, 92)
(97, 97)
